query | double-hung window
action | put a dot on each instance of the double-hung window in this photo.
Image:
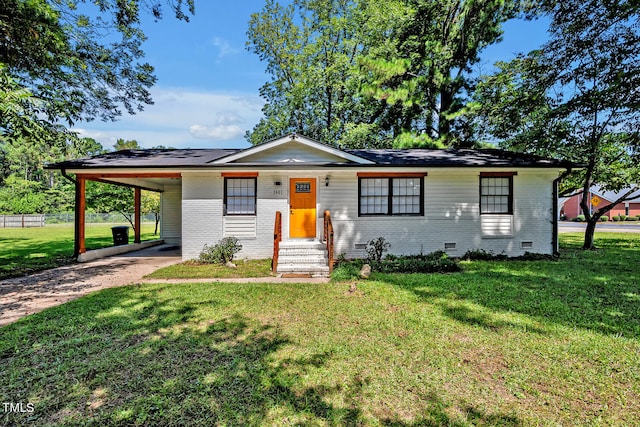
(240, 195)
(496, 192)
(391, 194)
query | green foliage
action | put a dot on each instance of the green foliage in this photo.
(61, 62)
(376, 248)
(436, 262)
(102, 197)
(483, 255)
(20, 196)
(310, 48)
(422, 71)
(575, 98)
(579, 218)
(122, 144)
(220, 253)
(346, 271)
(372, 74)
(80, 59)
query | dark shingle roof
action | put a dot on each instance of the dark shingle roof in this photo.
(457, 158)
(147, 158)
(187, 158)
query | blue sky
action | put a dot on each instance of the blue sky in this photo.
(207, 93)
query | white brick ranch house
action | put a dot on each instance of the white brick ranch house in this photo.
(420, 200)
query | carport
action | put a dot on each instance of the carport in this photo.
(138, 181)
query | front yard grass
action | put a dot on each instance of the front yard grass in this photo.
(196, 270)
(26, 250)
(501, 344)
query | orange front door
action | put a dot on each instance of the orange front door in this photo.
(302, 207)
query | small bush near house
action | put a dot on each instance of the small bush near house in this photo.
(220, 253)
(615, 218)
(604, 218)
(482, 255)
(436, 262)
(376, 248)
(579, 218)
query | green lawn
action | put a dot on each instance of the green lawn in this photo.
(500, 344)
(196, 270)
(24, 250)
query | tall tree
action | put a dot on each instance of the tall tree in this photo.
(423, 71)
(577, 97)
(311, 49)
(81, 59)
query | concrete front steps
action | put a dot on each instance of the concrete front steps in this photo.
(303, 257)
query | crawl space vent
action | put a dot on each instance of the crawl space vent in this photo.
(360, 245)
(450, 246)
(526, 245)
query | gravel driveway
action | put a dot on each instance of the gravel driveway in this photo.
(22, 296)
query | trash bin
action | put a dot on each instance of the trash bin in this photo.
(120, 235)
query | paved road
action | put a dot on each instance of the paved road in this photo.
(567, 227)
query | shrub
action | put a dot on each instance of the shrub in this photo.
(615, 218)
(436, 262)
(579, 218)
(482, 255)
(220, 253)
(622, 217)
(604, 218)
(376, 248)
(632, 218)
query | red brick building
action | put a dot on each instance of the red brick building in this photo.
(570, 207)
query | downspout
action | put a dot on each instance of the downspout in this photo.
(554, 235)
(76, 223)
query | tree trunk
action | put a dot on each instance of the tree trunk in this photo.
(589, 233)
(157, 222)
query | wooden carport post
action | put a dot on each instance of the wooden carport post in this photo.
(137, 200)
(81, 204)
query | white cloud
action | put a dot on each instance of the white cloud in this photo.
(182, 118)
(216, 133)
(224, 47)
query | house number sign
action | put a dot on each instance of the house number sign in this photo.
(303, 187)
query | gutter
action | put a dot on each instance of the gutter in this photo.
(64, 173)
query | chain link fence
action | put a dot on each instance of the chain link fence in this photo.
(42, 220)
(94, 218)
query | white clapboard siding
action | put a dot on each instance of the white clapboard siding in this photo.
(293, 152)
(171, 214)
